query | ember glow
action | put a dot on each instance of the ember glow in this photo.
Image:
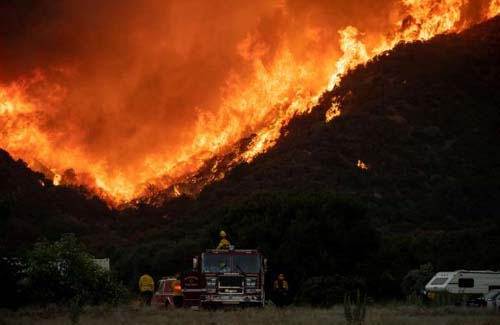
(167, 85)
(361, 165)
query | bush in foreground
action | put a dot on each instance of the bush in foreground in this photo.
(64, 273)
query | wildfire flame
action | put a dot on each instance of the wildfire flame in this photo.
(333, 112)
(361, 165)
(278, 89)
(494, 8)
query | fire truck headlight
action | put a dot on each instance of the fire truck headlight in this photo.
(211, 282)
(250, 282)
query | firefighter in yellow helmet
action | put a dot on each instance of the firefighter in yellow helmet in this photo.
(146, 287)
(280, 282)
(224, 243)
(280, 290)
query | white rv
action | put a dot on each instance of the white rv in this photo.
(464, 282)
(103, 263)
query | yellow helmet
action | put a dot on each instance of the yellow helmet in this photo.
(281, 276)
(222, 233)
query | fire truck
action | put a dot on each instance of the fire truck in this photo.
(225, 277)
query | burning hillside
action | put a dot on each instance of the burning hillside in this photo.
(128, 98)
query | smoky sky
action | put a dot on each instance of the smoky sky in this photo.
(137, 72)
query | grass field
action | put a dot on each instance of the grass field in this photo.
(376, 315)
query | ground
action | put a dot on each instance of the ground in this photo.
(386, 315)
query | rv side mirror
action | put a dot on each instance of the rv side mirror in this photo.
(195, 263)
(265, 264)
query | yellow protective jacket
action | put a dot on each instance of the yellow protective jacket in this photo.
(176, 288)
(146, 283)
(282, 285)
(224, 244)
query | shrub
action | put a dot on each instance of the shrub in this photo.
(64, 273)
(414, 282)
(355, 313)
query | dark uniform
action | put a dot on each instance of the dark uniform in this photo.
(280, 290)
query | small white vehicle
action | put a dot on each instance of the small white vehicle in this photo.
(464, 282)
(492, 299)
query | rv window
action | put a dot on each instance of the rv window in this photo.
(492, 294)
(466, 283)
(439, 281)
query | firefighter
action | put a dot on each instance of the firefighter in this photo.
(177, 292)
(280, 289)
(146, 287)
(223, 267)
(224, 243)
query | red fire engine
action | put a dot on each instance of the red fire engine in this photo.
(225, 277)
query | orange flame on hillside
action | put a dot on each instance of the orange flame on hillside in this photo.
(361, 165)
(494, 8)
(278, 89)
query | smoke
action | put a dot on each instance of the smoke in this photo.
(137, 74)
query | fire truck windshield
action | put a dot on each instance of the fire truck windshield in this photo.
(246, 263)
(216, 263)
(235, 263)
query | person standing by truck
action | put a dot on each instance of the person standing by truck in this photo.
(280, 290)
(224, 243)
(146, 287)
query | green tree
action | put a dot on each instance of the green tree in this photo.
(63, 272)
(415, 280)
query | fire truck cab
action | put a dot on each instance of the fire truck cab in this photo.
(225, 277)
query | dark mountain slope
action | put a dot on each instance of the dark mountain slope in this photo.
(425, 118)
(31, 207)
